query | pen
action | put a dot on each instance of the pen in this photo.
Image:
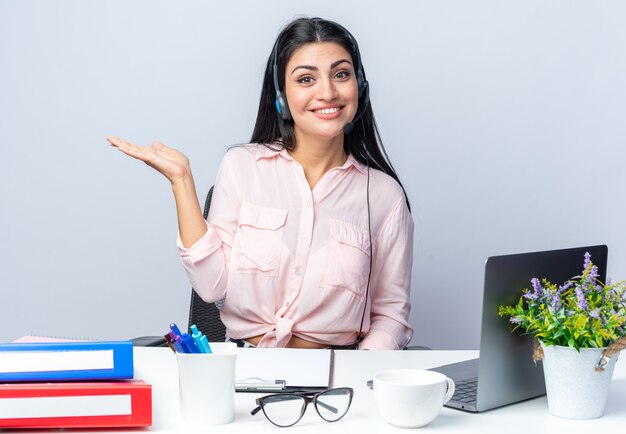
(174, 328)
(178, 337)
(169, 341)
(201, 340)
(189, 344)
(178, 344)
(260, 385)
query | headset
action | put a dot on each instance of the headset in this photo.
(363, 91)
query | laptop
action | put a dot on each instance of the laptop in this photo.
(505, 373)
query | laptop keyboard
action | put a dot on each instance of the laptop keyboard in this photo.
(465, 390)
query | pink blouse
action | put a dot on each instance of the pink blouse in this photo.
(288, 260)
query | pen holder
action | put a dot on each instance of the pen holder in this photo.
(206, 385)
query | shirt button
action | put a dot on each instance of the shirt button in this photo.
(305, 235)
(298, 271)
(309, 203)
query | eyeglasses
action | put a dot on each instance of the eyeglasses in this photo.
(286, 409)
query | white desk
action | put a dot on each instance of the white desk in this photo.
(157, 366)
(353, 368)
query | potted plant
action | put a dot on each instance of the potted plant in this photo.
(579, 328)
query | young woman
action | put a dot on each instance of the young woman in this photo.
(309, 239)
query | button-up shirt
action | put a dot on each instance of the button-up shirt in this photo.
(291, 260)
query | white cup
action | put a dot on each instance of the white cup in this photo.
(411, 398)
(206, 385)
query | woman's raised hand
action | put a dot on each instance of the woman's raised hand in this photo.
(170, 162)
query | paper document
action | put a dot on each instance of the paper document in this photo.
(28, 339)
(275, 369)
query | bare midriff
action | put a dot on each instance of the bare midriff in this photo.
(294, 342)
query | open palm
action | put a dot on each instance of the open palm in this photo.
(169, 161)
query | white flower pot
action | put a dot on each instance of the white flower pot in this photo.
(575, 389)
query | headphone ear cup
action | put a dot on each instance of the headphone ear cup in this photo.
(282, 107)
(361, 82)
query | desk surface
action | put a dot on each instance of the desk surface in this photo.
(157, 366)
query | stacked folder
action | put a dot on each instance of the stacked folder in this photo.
(71, 385)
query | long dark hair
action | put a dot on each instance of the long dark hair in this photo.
(363, 142)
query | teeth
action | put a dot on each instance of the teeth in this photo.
(327, 111)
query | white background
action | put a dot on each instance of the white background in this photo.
(505, 121)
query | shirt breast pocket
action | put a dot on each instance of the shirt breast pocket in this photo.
(258, 241)
(348, 259)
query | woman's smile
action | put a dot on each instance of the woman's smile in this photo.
(328, 112)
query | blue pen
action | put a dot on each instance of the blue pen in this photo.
(175, 329)
(201, 341)
(189, 344)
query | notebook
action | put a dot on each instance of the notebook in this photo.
(505, 373)
(277, 370)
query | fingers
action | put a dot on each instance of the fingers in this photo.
(167, 161)
(139, 152)
(121, 144)
(158, 146)
(116, 141)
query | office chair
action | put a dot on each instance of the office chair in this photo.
(206, 316)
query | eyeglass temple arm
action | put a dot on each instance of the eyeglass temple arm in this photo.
(255, 410)
(327, 407)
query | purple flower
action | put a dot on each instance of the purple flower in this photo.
(537, 290)
(595, 314)
(593, 273)
(556, 302)
(582, 302)
(565, 287)
(587, 260)
(530, 295)
(515, 320)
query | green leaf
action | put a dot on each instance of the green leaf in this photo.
(599, 341)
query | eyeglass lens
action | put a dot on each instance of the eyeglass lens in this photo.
(333, 404)
(286, 410)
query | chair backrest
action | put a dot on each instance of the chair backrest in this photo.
(206, 316)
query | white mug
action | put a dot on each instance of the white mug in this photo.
(411, 398)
